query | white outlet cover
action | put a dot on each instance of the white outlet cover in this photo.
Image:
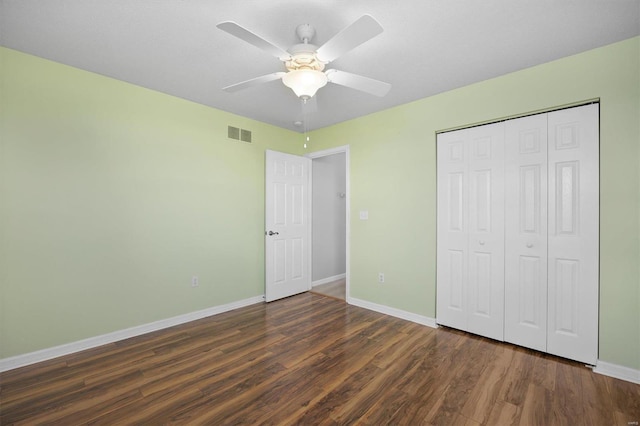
(364, 214)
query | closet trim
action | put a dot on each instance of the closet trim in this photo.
(516, 116)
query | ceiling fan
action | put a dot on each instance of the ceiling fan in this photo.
(305, 62)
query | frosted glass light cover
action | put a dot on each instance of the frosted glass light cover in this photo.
(304, 82)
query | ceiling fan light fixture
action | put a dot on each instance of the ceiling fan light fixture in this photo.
(304, 82)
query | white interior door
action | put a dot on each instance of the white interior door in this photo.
(287, 235)
(526, 232)
(573, 233)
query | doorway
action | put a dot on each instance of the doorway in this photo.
(330, 222)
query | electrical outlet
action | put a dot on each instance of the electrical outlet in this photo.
(195, 282)
(380, 277)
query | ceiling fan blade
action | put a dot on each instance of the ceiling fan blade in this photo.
(365, 28)
(253, 82)
(358, 82)
(244, 34)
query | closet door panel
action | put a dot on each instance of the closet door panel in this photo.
(452, 236)
(573, 233)
(486, 231)
(526, 232)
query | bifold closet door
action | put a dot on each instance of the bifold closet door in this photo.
(526, 232)
(573, 233)
(470, 273)
(452, 237)
(486, 231)
(518, 226)
(551, 232)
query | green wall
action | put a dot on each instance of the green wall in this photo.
(112, 197)
(393, 176)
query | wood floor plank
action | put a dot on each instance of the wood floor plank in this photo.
(163, 402)
(568, 398)
(310, 359)
(519, 376)
(53, 407)
(219, 405)
(435, 364)
(467, 376)
(339, 395)
(465, 421)
(504, 413)
(384, 410)
(537, 407)
(626, 398)
(83, 412)
(544, 372)
(482, 399)
(289, 394)
(598, 404)
(375, 392)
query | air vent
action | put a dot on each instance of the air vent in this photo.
(238, 134)
(233, 133)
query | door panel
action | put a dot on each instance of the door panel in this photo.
(455, 191)
(481, 283)
(531, 308)
(457, 274)
(573, 233)
(452, 239)
(287, 251)
(470, 273)
(486, 231)
(566, 197)
(526, 232)
(279, 260)
(566, 296)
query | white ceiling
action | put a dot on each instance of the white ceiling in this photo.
(428, 46)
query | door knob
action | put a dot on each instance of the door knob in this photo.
(481, 242)
(273, 233)
(529, 245)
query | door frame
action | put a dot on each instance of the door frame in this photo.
(325, 153)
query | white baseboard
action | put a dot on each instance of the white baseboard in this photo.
(398, 313)
(92, 342)
(617, 371)
(328, 280)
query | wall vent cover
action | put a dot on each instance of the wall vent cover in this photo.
(233, 133)
(239, 134)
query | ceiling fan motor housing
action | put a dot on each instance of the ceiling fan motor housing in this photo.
(303, 56)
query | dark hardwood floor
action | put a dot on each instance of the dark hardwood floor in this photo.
(312, 360)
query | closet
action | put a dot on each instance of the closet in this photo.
(517, 233)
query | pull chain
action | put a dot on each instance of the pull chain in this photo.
(304, 123)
